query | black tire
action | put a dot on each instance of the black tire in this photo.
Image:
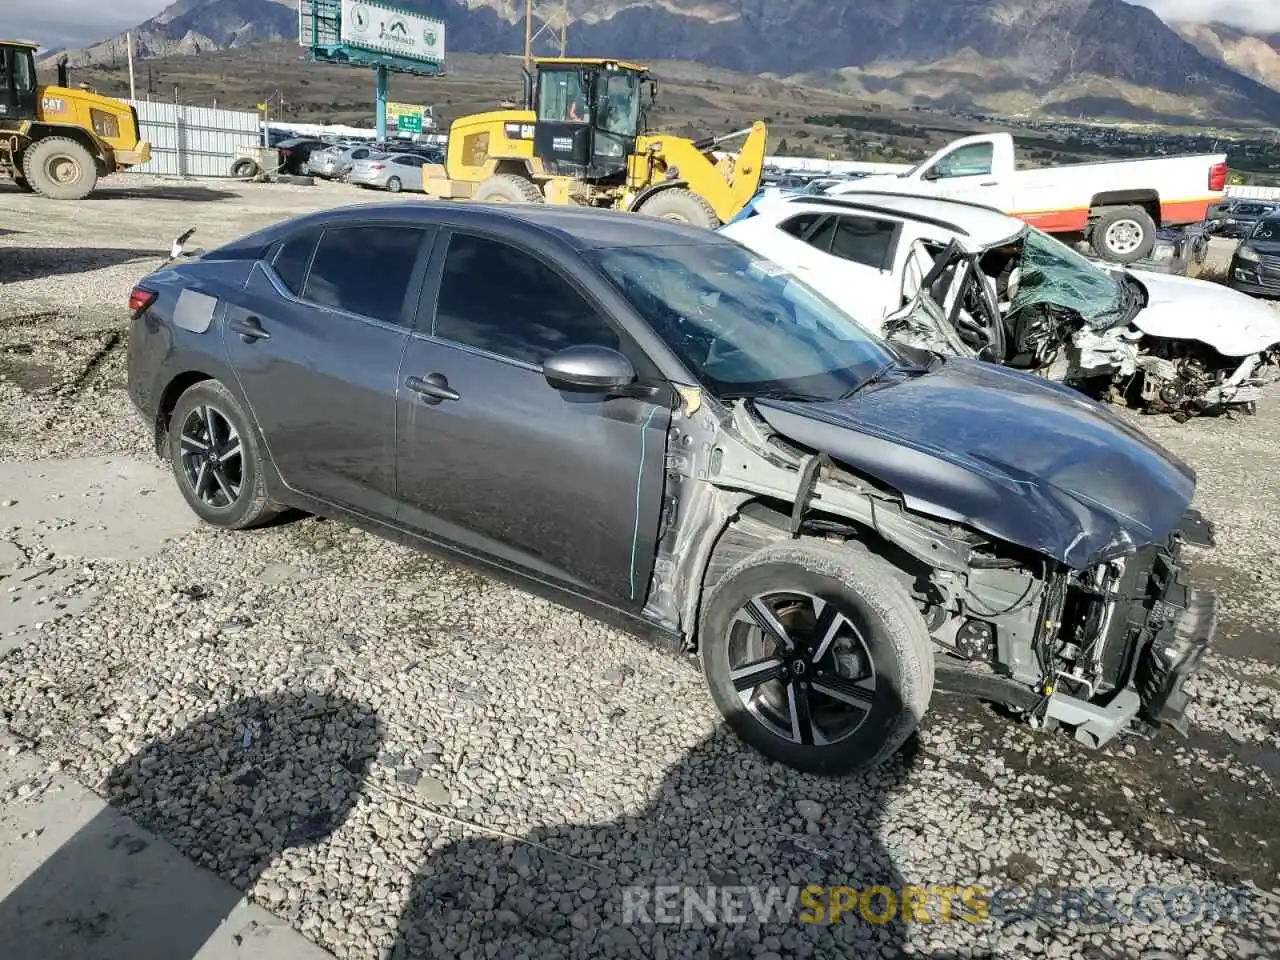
(881, 621)
(394, 184)
(244, 168)
(250, 506)
(60, 169)
(508, 188)
(1123, 234)
(682, 206)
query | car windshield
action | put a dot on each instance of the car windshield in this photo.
(1053, 273)
(743, 325)
(1266, 230)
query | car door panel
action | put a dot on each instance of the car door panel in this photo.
(320, 379)
(564, 486)
(567, 487)
(322, 391)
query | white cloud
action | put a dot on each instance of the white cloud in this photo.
(1260, 15)
(73, 23)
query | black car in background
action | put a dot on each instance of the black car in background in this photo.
(1255, 266)
(1236, 218)
(296, 151)
(646, 421)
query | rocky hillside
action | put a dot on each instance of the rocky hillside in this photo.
(1103, 58)
(1253, 55)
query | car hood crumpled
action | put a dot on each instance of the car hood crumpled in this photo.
(1182, 308)
(1014, 456)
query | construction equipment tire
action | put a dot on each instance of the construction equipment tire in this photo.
(60, 169)
(682, 206)
(508, 188)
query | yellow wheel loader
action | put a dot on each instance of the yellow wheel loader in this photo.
(55, 140)
(581, 139)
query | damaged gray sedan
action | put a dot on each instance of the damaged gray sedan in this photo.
(649, 423)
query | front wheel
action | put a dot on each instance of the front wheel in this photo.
(394, 185)
(216, 459)
(1123, 234)
(816, 656)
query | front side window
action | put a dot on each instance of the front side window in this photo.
(1050, 272)
(618, 106)
(365, 270)
(528, 314)
(562, 96)
(863, 240)
(975, 160)
(743, 325)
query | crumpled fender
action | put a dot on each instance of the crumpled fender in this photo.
(1181, 308)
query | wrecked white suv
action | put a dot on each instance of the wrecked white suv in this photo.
(1010, 294)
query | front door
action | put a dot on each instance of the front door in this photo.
(968, 173)
(316, 345)
(562, 486)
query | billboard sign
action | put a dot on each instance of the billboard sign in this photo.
(382, 29)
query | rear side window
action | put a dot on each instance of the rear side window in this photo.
(863, 240)
(292, 257)
(365, 270)
(799, 226)
(529, 314)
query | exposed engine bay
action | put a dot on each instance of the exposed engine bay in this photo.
(1031, 306)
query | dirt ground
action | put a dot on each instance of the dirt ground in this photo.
(992, 800)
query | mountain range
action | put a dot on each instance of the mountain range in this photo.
(1094, 58)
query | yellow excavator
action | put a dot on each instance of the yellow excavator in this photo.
(581, 139)
(56, 140)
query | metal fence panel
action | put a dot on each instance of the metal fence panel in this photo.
(193, 141)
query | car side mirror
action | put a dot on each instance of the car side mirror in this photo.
(931, 174)
(588, 368)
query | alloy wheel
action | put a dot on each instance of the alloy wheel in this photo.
(212, 457)
(801, 668)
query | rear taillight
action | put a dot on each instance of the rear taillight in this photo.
(378, 166)
(140, 298)
(1217, 178)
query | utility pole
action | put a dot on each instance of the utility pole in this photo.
(536, 23)
(128, 44)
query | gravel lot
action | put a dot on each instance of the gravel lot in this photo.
(401, 758)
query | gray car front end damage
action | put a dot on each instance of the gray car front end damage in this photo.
(1101, 645)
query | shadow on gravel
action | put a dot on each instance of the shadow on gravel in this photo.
(36, 263)
(232, 791)
(192, 194)
(714, 866)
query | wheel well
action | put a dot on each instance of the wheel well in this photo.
(764, 521)
(1148, 200)
(514, 168)
(43, 131)
(656, 188)
(169, 399)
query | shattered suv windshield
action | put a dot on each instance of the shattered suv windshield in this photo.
(743, 325)
(1053, 273)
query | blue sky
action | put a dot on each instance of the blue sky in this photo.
(76, 22)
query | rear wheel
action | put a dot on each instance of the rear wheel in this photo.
(1123, 234)
(60, 168)
(508, 188)
(394, 184)
(816, 656)
(682, 206)
(216, 459)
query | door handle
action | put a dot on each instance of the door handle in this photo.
(989, 183)
(432, 388)
(250, 329)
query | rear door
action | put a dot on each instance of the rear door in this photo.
(565, 487)
(316, 346)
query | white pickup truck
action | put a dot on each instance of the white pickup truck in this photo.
(1117, 204)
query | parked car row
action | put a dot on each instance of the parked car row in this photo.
(833, 520)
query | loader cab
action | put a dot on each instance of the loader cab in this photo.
(17, 81)
(589, 113)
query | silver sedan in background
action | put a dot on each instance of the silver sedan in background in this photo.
(389, 171)
(336, 162)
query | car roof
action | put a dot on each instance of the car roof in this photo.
(582, 228)
(977, 225)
